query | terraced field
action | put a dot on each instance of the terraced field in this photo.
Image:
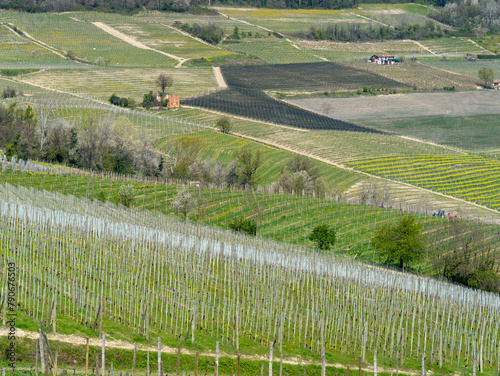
(465, 67)
(258, 105)
(453, 46)
(274, 51)
(215, 146)
(20, 52)
(337, 51)
(420, 75)
(295, 20)
(125, 82)
(84, 40)
(280, 217)
(473, 178)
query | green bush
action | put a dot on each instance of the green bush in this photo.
(323, 236)
(240, 224)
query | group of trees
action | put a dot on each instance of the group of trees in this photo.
(186, 164)
(464, 256)
(102, 5)
(209, 33)
(487, 76)
(121, 101)
(361, 33)
(301, 178)
(98, 144)
(472, 16)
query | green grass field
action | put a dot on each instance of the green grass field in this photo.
(477, 132)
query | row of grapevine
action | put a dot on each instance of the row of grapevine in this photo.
(187, 278)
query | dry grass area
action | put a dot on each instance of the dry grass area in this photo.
(420, 75)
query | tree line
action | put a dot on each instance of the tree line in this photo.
(465, 256)
(473, 17)
(92, 143)
(361, 33)
(131, 6)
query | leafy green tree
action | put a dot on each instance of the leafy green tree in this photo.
(126, 195)
(248, 163)
(323, 236)
(486, 75)
(403, 242)
(236, 33)
(241, 224)
(224, 124)
(148, 100)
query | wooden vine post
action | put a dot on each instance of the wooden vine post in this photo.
(159, 356)
(103, 354)
(133, 360)
(42, 355)
(216, 373)
(179, 359)
(271, 359)
(87, 358)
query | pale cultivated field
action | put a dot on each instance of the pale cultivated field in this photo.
(405, 105)
(420, 75)
(130, 83)
(368, 47)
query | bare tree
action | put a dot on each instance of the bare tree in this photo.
(44, 111)
(183, 203)
(164, 81)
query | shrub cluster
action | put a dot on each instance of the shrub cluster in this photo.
(209, 33)
(121, 101)
(242, 224)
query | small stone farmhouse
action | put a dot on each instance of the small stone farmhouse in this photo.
(383, 59)
(496, 84)
(173, 100)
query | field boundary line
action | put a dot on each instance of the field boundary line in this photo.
(244, 118)
(120, 344)
(286, 148)
(371, 19)
(245, 22)
(39, 43)
(445, 70)
(422, 46)
(481, 47)
(134, 42)
(350, 169)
